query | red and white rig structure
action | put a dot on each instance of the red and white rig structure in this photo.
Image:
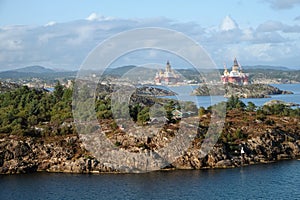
(236, 76)
(167, 77)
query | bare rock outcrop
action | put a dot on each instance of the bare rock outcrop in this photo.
(67, 154)
(25, 155)
(241, 91)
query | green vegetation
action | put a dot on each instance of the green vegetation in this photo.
(278, 109)
(35, 112)
(251, 107)
(201, 111)
(235, 103)
(143, 115)
(275, 109)
(239, 116)
(283, 76)
(170, 107)
(231, 137)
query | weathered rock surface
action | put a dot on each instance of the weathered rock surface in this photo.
(154, 91)
(7, 86)
(267, 148)
(264, 140)
(241, 91)
(141, 91)
(275, 102)
(66, 154)
(24, 155)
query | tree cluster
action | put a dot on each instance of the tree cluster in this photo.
(36, 112)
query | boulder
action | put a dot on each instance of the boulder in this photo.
(224, 164)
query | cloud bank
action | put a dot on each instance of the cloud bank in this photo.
(283, 4)
(66, 45)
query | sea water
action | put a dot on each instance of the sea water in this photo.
(184, 94)
(264, 181)
(279, 180)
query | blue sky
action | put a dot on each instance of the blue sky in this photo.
(206, 13)
(48, 32)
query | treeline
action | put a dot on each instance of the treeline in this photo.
(235, 103)
(36, 112)
(139, 111)
(239, 115)
(283, 75)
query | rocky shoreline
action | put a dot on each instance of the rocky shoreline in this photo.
(264, 142)
(241, 91)
(147, 90)
(25, 156)
(61, 154)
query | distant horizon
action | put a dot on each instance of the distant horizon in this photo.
(257, 66)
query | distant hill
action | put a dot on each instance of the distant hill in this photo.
(132, 73)
(26, 72)
(257, 73)
(119, 71)
(35, 72)
(273, 76)
(266, 67)
(33, 69)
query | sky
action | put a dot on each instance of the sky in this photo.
(60, 34)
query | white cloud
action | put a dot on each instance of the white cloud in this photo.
(283, 4)
(247, 34)
(92, 17)
(12, 37)
(270, 37)
(67, 44)
(81, 35)
(96, 17)
(228, 24)
(51, 23)
(272, 26)
(47, 37)
(11, 45)
(228, 32)
(260, 51)
(297, 18)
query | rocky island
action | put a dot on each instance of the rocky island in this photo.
(242, 91)
(37, 131)
(263, 140)
(250, 136)
(237, 83)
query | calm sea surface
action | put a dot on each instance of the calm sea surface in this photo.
(266, 181)
(205, 101)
